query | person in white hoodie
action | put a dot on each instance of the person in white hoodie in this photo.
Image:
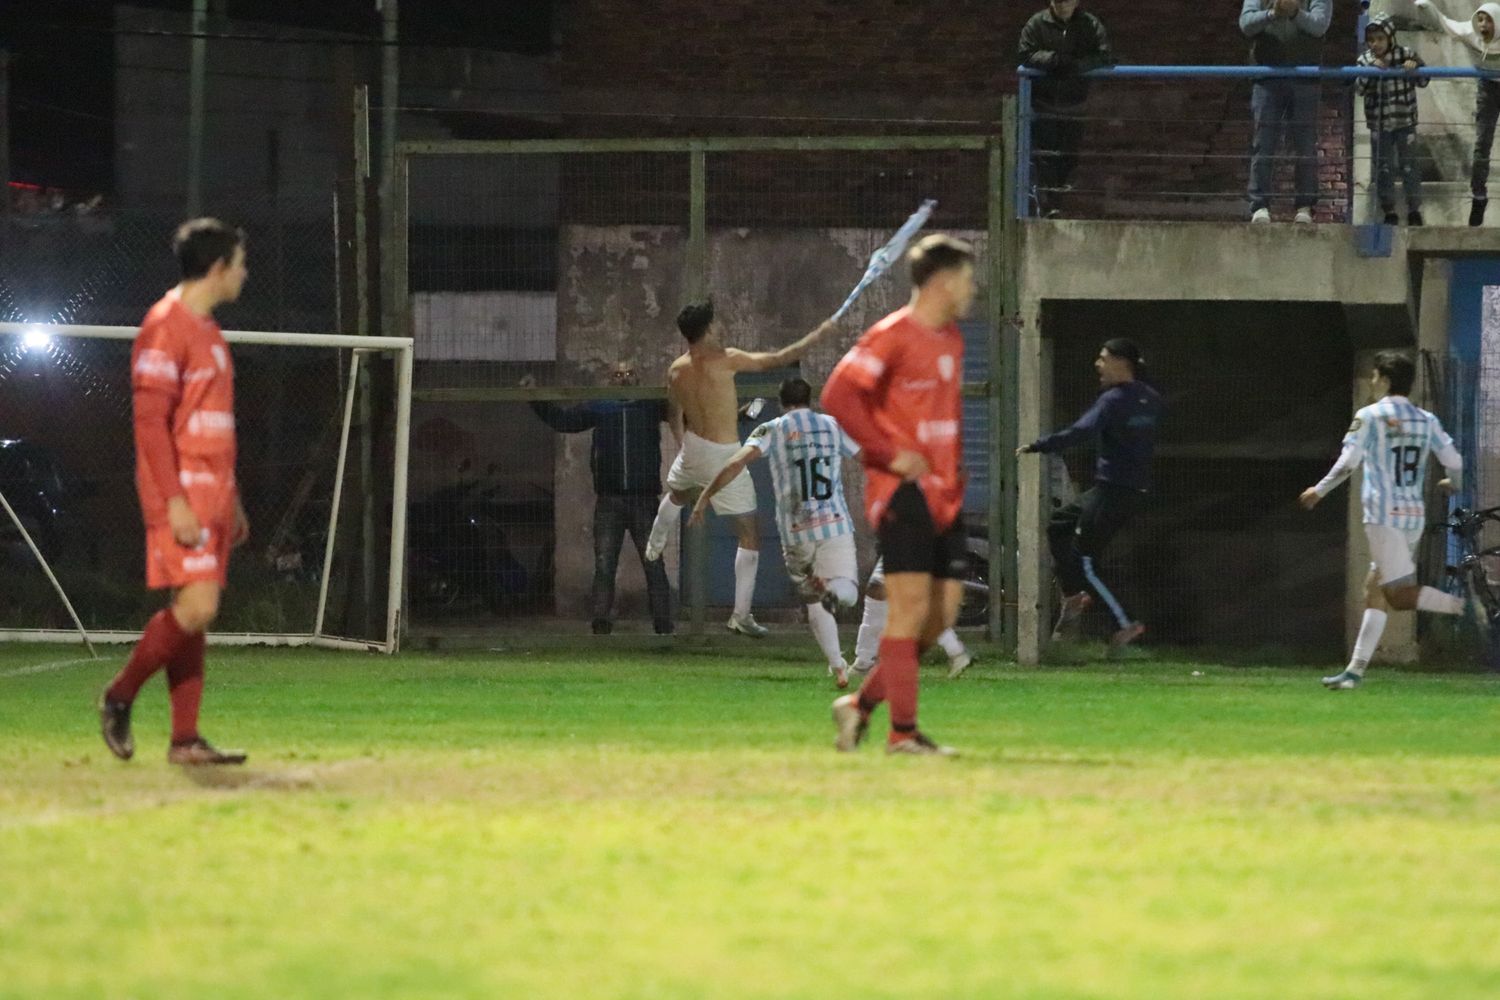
(1481, 35)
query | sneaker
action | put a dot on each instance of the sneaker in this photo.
(1260, 216)
(840, 673)
(747, 625)
(1392, 219)
(851, 723)
(1476, 211)
(862, 667)
(1072, 610)
(664, 626)
(1347, 680)
(958, 664)
(200, 751)
(1414, 218)
(114, 726)
(1125, 636)
(920, 746)
(1303, 217)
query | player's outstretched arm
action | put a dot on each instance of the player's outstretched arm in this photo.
(762, 361)
(1348, 461)
(737, 464)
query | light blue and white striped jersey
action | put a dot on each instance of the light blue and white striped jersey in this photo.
(806, 450)
(1393, 439)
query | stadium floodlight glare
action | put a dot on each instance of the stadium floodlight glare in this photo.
(301, 497)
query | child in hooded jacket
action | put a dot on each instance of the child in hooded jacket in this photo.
(1481, 35)
(1391, 112)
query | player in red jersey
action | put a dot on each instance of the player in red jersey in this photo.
(183, 384)
(898, 394)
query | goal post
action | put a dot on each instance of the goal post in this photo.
(324, 481)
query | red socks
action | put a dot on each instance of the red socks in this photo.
(185, 681)
(159, 643)
(165, 644)
(895, 679)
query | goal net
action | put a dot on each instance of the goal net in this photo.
(322, 425)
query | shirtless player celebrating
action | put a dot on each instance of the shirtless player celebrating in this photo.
(704, 412)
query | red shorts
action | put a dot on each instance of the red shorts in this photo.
(168, 564)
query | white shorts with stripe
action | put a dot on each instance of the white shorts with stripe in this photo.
(825, 559)
(699, 462)
(1393, 552)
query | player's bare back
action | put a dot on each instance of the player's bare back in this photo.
(704, 389)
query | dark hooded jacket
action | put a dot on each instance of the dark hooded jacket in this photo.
(1063, 49)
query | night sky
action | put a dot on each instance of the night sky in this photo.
(62, 64)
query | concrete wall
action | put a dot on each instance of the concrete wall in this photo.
(1154, 262)
(620, 291)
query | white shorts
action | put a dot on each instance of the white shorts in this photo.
(699, 462)
(1392, 553)
(825, 559)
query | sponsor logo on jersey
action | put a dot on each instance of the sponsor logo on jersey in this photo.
(937, 430)
(153, 363)
(946, 367)
(211, 422)
(866, 361)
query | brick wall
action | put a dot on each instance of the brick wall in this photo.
(742, 67)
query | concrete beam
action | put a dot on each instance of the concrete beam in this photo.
(1205, 261)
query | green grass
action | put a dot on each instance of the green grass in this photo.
(637, 826)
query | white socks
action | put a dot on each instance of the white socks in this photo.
(951, 643)
(666, 515)
(867, 645)
(825, 629)
(1439, 603)
(746, 561)
(1370, 630)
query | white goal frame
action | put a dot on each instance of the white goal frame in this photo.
(359, 348)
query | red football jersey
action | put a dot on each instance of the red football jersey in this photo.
(914, 376)
(185, 357)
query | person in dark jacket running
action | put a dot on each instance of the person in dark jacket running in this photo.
(1063, 42)
(626, 462)
(1124, 421)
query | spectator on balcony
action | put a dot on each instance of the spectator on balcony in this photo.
(1479, 36)
(1391, 112)
(1064, 42)
(1285, 33)
(626, 463)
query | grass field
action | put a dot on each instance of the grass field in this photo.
(622, 826)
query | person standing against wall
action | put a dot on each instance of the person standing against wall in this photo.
(1285, 33)
(1479, 35)
(1064, 42)
(626, 462)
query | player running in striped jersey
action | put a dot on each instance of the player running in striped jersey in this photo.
(872, 625)
(806, 450)
(1391, 439)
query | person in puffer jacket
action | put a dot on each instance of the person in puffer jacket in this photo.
(1391, 112)
(1482, 37)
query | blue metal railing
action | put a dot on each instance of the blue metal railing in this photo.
(1024, 191)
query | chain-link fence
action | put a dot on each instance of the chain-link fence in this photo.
(561, 263)
(67, 466)
(106, 265)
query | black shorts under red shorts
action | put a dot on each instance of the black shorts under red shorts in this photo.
(911, 543)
